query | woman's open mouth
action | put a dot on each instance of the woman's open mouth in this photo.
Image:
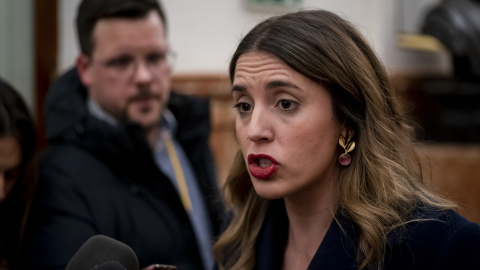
(262, 166)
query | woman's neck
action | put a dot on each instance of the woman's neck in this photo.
(309, 221)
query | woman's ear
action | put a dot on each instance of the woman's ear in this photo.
(344, 131)
(83, 68)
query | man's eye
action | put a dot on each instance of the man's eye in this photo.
(243, 107)
(155, 58)
(119, 62)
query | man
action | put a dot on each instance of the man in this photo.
(127, 158)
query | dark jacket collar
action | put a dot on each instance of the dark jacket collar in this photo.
(65, 105)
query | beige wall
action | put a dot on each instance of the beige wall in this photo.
(205, 33)
(16, 46)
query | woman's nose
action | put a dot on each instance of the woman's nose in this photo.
(260, 126)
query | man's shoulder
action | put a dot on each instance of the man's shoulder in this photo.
(192, 114)
(64, 104)
(186, 105)
(70, 157)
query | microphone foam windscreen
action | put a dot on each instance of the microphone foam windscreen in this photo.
(112, 265)
(100, 249)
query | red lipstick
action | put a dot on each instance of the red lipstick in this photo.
(262, 166)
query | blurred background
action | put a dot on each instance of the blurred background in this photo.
(431, 49)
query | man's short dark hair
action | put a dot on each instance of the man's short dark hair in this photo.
(91, 11)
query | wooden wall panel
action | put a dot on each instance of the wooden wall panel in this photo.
(455, 171)
(45, 59)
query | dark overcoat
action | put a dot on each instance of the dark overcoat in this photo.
(99, 179)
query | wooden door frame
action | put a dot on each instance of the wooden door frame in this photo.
(46, 51)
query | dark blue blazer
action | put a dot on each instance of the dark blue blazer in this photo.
(445, 240)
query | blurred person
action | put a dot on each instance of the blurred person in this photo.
(17, 147)
(127, 158)
(327, 176)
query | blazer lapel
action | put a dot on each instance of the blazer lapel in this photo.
(338, 249)
(272, 237)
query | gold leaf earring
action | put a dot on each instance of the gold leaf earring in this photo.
(348, 146)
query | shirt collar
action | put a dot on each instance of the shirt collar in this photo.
(99, 113)
(168, 122)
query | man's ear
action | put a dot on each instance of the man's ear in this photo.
(84, 70)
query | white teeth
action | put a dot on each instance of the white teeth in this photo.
(264, 162)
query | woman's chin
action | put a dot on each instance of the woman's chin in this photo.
(268, 193)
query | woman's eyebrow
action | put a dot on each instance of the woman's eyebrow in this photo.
(238, 88)
(279, 83)
(268, 86)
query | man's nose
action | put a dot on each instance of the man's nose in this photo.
(142, 73)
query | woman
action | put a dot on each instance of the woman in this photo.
(17, 144)
(327, 176)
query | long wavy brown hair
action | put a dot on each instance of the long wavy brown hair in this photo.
(384, 182)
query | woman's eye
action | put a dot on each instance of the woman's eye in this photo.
(286, 104)
(243, 107)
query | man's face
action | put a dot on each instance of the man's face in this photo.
(128, 74)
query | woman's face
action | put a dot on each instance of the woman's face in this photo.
(286, 128)
(10, 160)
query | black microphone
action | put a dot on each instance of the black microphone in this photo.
(112, 265)
(103, 253)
